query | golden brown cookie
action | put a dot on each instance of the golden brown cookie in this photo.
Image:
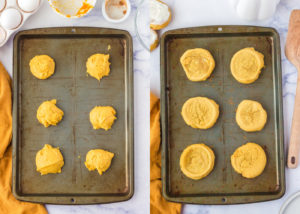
(249, 160)
(197, 161)
(153, 40)
(251, 116)
(160, 15)
(200, 112)
(246, 65)
(198, 64)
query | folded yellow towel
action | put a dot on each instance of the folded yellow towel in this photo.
(158, 205)
(5, 110)
(8, 203)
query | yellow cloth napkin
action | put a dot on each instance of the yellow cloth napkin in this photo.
(158, 205)
(8, 203)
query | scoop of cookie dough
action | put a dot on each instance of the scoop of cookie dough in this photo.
(251, 116)
(198, 64)
(102, 117)
(42, 66)
(197, 161)
(49, 114)
(97, 65)
(249, 160)
(200, 112)
(49, 160)
(98, 159)
(246, 65)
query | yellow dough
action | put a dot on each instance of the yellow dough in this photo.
(249, 160)
(42, 66)
(98, 159)
(246, 65)
(97, 65)
(49, 114)
(197, 161)
(251, 116)
(102, 117)
(200, 112)
(49, 160)
(198, 64)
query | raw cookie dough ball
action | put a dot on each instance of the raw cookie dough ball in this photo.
(98, 159)
(251, 116)
(198, 64)
(42, 66)
(49, 114)
(249, 160)
(200, 112)
(160, 15)
(153, 40)
(197, 161)
(102, 117)
(49, 160)
(97, 65)
(246, 65)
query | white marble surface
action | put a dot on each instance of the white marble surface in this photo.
(191, 13)
(45, 17)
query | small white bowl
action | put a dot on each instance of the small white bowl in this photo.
(104, 12)
(72, 8)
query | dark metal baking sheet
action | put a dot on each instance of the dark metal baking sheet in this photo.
(223, 185)
(76, 94)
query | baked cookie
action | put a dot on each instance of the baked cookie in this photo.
(197, 161)
(246, 65)
(42, 66)
(200, 112)
(97, 66)
(102, 117)
(249, 160)
(98, 159)
(49, 160)
(251, 116)
(153, 40)
(198, 64)
(160, 15)
(49, 114)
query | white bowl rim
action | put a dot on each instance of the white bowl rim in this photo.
(72, 17)
(288, 201)
(116, 20)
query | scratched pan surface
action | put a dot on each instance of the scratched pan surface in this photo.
(76, 95)
(223, 185)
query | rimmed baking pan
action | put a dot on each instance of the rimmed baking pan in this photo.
(223, 185)
(76, 95)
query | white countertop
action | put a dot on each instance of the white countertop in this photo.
(45, 17)
(190, 13)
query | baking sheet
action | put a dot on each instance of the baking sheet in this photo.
(223, 185)
(76, 95)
